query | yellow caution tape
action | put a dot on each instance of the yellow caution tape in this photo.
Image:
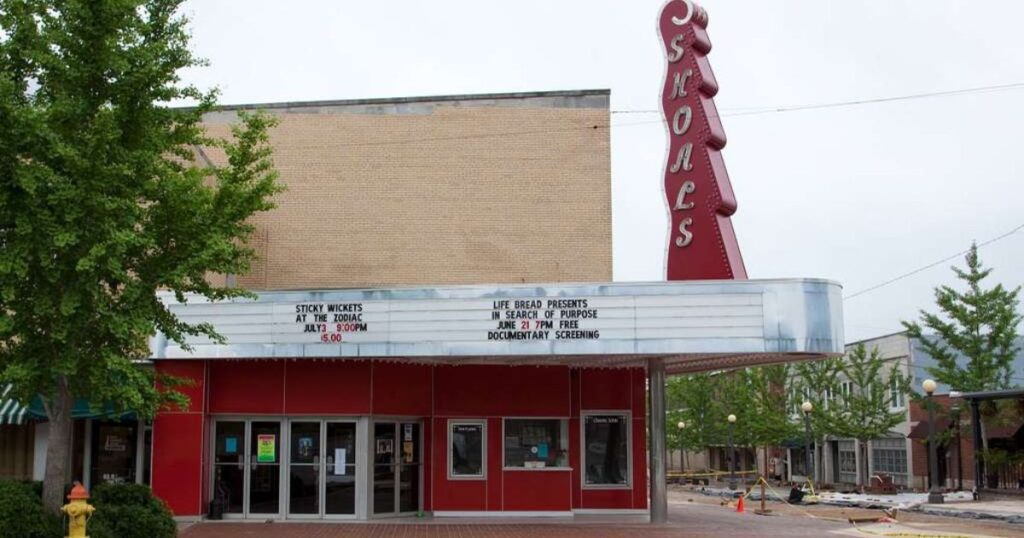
(709, 473)
(897, 534)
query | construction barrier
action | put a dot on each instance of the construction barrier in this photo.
(897, 534)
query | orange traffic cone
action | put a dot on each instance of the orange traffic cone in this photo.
(739, 506)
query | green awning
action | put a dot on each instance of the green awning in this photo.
(11, 410)
(15, 412)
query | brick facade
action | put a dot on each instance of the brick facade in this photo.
(947, 453)
(467, 190)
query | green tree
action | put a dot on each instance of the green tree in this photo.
(101, 204)
(817, 382)
(755, 395)
(866, 412)
(693, 399)
(975, 332)
(769, 418)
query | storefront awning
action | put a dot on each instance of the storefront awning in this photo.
(693, 325)
(11, 410)
(15, 412)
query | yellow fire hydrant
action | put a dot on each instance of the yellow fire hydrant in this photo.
(78, 511)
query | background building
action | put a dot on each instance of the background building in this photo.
(903, 455)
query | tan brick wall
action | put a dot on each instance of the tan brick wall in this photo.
(459, 195)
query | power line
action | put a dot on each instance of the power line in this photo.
(767, 109)
(933, 264)
(744, 111)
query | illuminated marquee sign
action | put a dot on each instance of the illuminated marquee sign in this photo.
(702, 244)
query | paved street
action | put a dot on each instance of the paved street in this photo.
(690, 516)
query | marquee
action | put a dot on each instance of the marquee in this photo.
(617, 321)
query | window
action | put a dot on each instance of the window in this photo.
(536, 443)
(845, 389)
(895, 394)
(606, 449)
(847, 461)
(890, 456)
(467, 441)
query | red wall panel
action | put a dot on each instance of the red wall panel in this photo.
(247, 386)
(428, 452)
(574, 437)
(607, 498)
(195, 371)
(401, 389)
(178, 462)
(495, 498)
(639, 376)
(452, 495)
(603, 388)
(474, 390)
(639, 463)
(334, 387)
(537, 490)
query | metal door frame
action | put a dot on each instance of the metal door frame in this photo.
(247, 464)
(397, 466)
(321, 469)
(354, 421)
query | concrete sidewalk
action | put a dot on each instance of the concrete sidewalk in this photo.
(1009, 511)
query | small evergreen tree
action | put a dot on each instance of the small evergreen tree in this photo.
(975, 332)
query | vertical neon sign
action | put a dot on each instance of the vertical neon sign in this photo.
(702, 243)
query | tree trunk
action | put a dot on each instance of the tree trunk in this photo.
(58, 447)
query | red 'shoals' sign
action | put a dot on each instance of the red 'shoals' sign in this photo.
(702, 244)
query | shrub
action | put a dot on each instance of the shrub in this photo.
(129, 511)
(22, 515)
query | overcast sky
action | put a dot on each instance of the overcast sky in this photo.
(858, 194)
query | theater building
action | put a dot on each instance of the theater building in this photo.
(437, 329)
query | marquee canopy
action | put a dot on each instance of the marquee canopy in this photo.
(694, 325)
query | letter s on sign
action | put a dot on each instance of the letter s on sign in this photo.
(687, 236)
(677, 49)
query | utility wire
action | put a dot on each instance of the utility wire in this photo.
(744, 111)
(857, 102)
(933, 264)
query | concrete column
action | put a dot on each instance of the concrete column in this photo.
(659, 478)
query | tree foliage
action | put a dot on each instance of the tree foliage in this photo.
(756, 396)
(869, 410)
(102, 204)
(873, 405)
(975, 331)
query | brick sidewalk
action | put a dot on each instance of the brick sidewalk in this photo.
(431, 530)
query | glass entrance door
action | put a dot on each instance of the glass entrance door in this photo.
(340, 475)
(264, 468)
(396, 468)
(229, 463)
(304, 469)
(247, 467)
(321, 469)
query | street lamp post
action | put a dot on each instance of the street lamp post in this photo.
(956, 409)
(732, 453)
(934, 492)
(807, 407)
(682, 448)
